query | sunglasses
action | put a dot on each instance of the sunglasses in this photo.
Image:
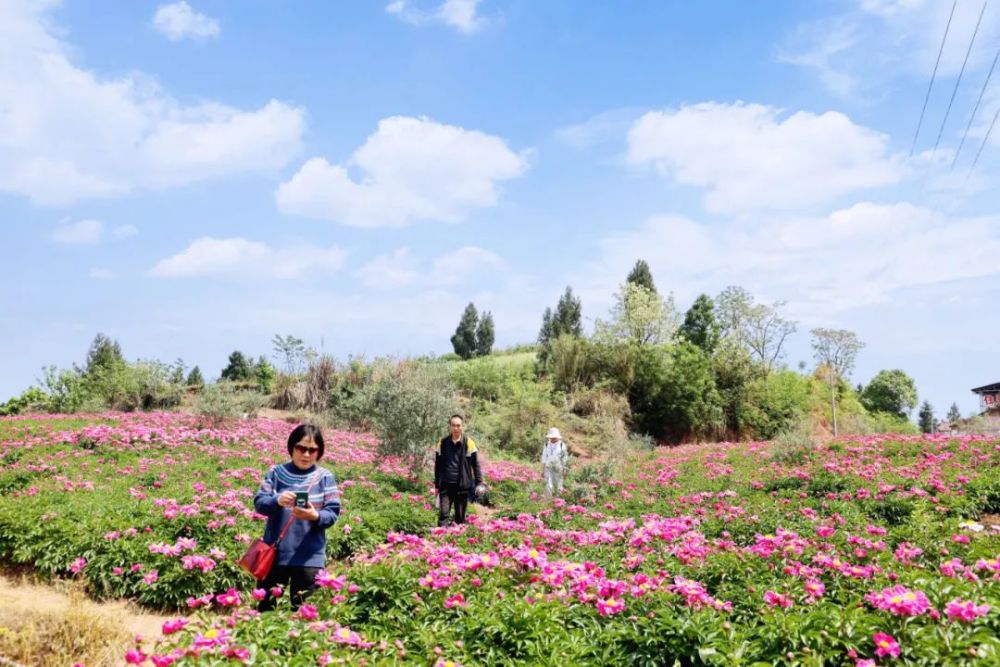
(302, 449)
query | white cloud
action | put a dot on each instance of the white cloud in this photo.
(211, 256)
(410, 169)
(396, 269)
(888, 38)
(178, 20)
(70, 135)
(98, 273)
(459, 14)
(456, 267)
(125, 231)
(83, 232)
(750, 157)
(849, 259)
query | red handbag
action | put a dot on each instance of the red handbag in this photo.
(260, 555)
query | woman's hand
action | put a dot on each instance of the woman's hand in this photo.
(307, 513)
(286, 499)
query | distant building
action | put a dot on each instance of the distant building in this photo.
(989, 396)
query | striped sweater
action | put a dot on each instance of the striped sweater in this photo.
(305, 543)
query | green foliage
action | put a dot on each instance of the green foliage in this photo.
(222, 401)
(580, 362)
(409, 406)
(291, 350)
(31, 399)
(954, 414)
(194, 378)
(239, 368)
(641, 275)
(926, 418)
(700, 327)
(103, 353)
(891, 391)
(264, 374)
(519, 419)
(464, 340)
(485, 335)
(673, 396)
(639, 316)
(487, 378)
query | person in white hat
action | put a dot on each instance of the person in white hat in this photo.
(555, 460)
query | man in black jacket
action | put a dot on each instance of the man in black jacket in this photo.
(456, 472)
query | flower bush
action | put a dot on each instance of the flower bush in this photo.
(861, 551)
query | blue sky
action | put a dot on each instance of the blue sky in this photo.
(192, 178)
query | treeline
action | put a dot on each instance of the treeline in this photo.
(715, 371)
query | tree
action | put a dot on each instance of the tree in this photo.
(835, 350)
(699, 327)
(673, 396)
(755, 326)
(568, 316)
(291, 350)
(485, 335)
(891, 391)
(641, 275)
(926, 418)
(239, 368)
(638, 316)
(264, 375)
(194, 378)
(545, 333)
(464, 340)
(954, 414)
(177, 372)
(104, 353)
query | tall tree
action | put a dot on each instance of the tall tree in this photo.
(264, 374)
(104, 354)
(638, 316)
(891, 391)
(757, 327)
(239, 368)
(292, 352)
(926, 418)
(545, 333)
(464, 340)
(835, 351)
(641, 275)
(194, 378)
(699, 327)
(485, 335)
(954, 414)
(568, 316)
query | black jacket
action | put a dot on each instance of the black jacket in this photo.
(469, 474)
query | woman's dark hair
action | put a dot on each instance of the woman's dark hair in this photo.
(303, 432)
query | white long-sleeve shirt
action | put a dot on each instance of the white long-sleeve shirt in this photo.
(555, 455)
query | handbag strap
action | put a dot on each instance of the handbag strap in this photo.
(288, 524)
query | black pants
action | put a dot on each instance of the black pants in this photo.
(452, 496)
(298, 582)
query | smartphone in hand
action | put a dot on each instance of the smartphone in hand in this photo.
(301, 498)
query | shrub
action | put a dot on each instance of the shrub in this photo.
(221, 402)
(31, 399)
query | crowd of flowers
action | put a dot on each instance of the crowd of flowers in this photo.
(879, 550)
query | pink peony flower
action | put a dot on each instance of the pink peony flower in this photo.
(170, 627)
(965, 610)
(777, 600)
(135, 657)
(307, 612)
(885, 645)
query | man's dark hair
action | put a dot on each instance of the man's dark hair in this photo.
(306, 432)
(459, 417)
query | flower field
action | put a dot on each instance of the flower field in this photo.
(879, 550)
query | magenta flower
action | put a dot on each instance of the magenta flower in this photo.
(230, 598)
(778, 600)
(170, 627)
(965, 610)
(307, 612)
(135, 657)
(885, 644)
(76, 567)
(456, 600)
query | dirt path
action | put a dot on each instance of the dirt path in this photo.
(55, 622)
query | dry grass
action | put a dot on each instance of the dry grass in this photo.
(43, 626)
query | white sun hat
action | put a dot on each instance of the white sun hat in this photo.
(554, 433)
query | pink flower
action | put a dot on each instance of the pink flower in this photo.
(885, 645)
(170, 627)
(965, 610)
(76, 567)
(456, 600)
(866, 662)
(276, 591)
(230, 598)
(610, 606)
(777, 600)
(259, 594)
(815, 588)
(308, 612)
(900, 601)
(135, 657)
(151, 577)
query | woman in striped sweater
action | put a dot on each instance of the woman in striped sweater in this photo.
(302, 550)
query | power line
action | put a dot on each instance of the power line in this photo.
(983, 145)
(975, 109)
(927, 97)
(960, 73)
